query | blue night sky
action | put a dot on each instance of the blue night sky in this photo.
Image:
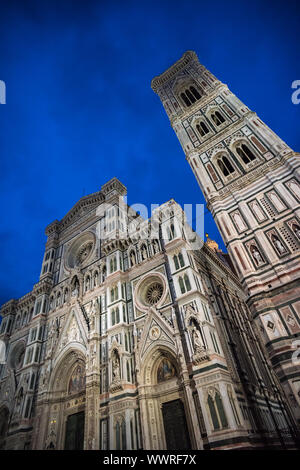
(80, 109)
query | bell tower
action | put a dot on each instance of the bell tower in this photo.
(250, 180)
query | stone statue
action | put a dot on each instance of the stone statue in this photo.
(256, 254)
(116, 369)
(75, 290)
(132, 258)
(197, 340)
(278, 244)
(144, 252)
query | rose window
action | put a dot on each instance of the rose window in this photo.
(84, 252)
(80, 250)
(154, 293)
(150, 291)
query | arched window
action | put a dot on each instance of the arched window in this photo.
(195, 92)
(190, 96)
(245, 153)
(202, 128)
(25, 318)
(117, 315)
(171, 232)
(120, 429)
(114, 293)
(113, 317)
(213, 412)
(217, 118)
(18, 322)
(181, 260)
(128, 371)
(181, 285)
(221, 410)
(216, 409)
(225, 166)
(187, 282)
(113, 264)
(118, 436)
(103, 273)
(175, 259)
(32, 380)
(185, 99)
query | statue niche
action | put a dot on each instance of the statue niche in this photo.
(115, 367)
(75, 287)
(198, 342)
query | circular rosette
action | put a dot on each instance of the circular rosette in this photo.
(80, 250)
(150, 291)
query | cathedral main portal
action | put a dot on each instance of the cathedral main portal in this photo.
(176, 430)
(74, 431)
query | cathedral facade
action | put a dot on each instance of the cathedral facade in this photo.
(140, 336)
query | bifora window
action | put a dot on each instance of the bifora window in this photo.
(216, 409)
(225, 166)
(190, 96)
(217, 118)
(184, 284)
(178, 261)
(202, 128)
(245, 153)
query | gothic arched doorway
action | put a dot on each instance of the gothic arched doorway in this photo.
(164, 408)
(67, 412)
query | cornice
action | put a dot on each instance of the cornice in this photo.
(9, 307)
(42, 287)
(158, 81)
(211, 254)
(84, 205)
(13, 305)
(249, 178)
